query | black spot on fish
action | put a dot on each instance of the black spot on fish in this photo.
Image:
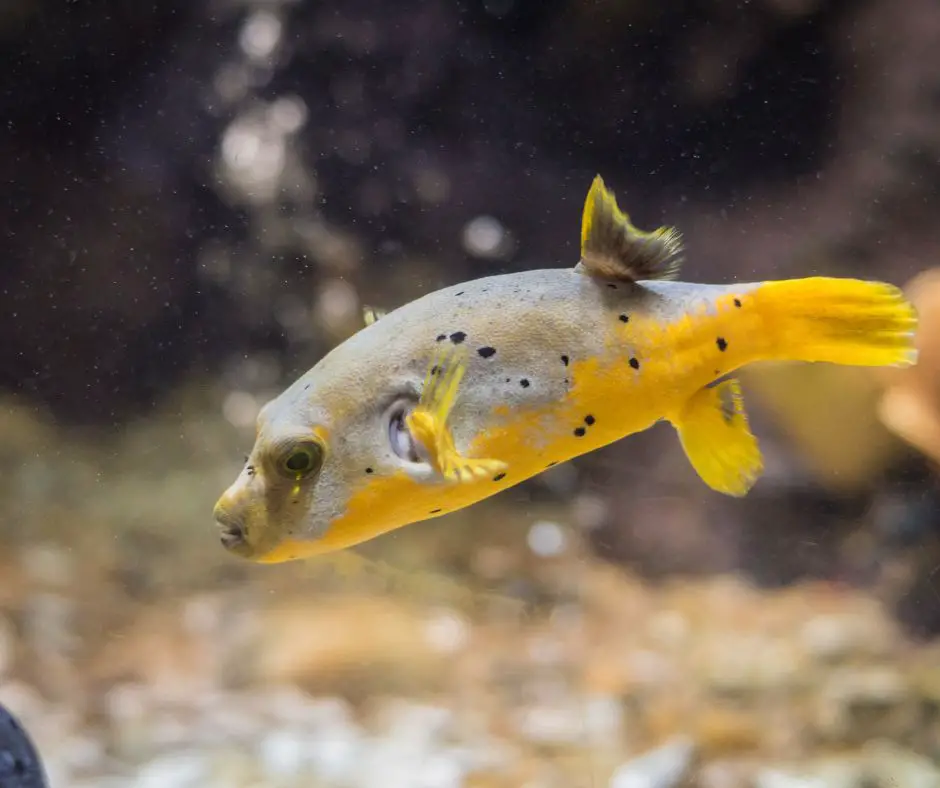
(306, 387)
(737, 302)
(435, 511)
(499, 477)
(369, 470)
(612, 286)
(722, 344)
(441, 337)
(564, 360)
(579, 432)
(567, 382)
(508, 380)
(486, 352)
(457, 337)
(435, 369)
(589, 420)
(624, 318)
(524, 383)
(460, 293)
(634, 363)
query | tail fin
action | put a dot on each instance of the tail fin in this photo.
(841, 321)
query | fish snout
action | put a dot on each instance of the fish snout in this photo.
(233, 532)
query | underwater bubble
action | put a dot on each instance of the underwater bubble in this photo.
(446, 631)
(337, 303)
(589, 511)
(240, 409)
(485, 237)
(260, 35)
(547, 539)
(288, 114)
(254, 158)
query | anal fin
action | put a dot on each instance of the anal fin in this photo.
(714, 432)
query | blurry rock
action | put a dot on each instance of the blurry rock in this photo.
(889, 765)
(662, 768)
(724, 730)
(48, 564)
(735, 664)
(838, 776)
(557, 724)
(342, 645)
(859, 629)
(862, 703)
(774, 779)
(910, 407)
(181, 769)
(726, 773)
(329, 755)
(166, 649)
(7, 647)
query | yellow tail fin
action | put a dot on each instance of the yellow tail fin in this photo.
(841, 321)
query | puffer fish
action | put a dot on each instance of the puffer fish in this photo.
(472, 389)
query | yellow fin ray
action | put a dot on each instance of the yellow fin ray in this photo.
(840, 321)
(428, 422)
(714, 432)
(612, 247)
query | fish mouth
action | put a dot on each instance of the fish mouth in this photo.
(232, 533)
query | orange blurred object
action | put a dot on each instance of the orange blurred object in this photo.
(910, 406)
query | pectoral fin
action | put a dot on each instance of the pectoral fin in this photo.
(428, 422)
(714, 432)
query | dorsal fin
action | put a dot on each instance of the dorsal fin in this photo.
(611, 247)
(370, 314)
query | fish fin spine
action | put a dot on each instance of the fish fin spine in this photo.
(612, 248)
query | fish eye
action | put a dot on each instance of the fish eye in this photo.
(301, 460)
(399, 436)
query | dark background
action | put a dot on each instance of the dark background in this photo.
(784, 137)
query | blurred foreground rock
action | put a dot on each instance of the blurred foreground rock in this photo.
(489, 650)
(337, 688)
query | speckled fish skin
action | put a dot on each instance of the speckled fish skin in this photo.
(558, 362)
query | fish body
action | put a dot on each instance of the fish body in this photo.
(477, 387)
